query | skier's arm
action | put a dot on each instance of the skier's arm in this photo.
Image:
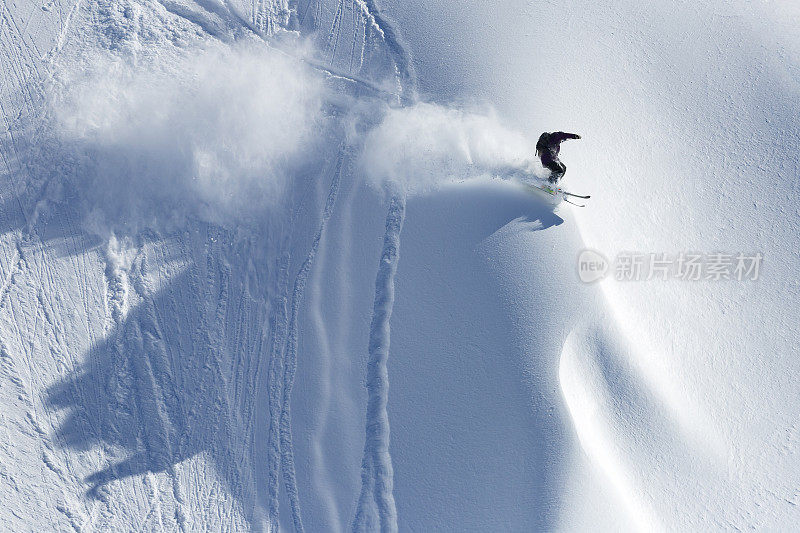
(541, 144)
(561, 136)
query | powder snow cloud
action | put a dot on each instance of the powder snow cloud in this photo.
(416, 149)
(216, 133)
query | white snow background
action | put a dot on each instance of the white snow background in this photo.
(266, 266)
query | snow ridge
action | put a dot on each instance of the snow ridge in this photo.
(290, 358)
(376, 468)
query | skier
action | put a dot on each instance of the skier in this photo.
(547, 148)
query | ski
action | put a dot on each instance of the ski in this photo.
(555, 191)
(576, 195)
(573, 203)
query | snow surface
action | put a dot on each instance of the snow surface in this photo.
(264, 266)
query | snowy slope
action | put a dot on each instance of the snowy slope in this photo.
(688, 115)
(250, 282)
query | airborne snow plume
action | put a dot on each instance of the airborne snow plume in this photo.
(416, 149)
(221, 129)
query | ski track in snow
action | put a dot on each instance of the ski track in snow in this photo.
(140, 394)
(321, 331)
(376, 467)
(283, 361)
(278, 328)
(146, 437)
(290, 364)
(376, 470)
(136, 341)
(400, 53)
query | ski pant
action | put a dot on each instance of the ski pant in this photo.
(556, 167)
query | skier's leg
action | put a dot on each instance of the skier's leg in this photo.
(559, 169)
(562, 169)
(552, 166)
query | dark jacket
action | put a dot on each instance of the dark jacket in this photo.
(549, 144)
